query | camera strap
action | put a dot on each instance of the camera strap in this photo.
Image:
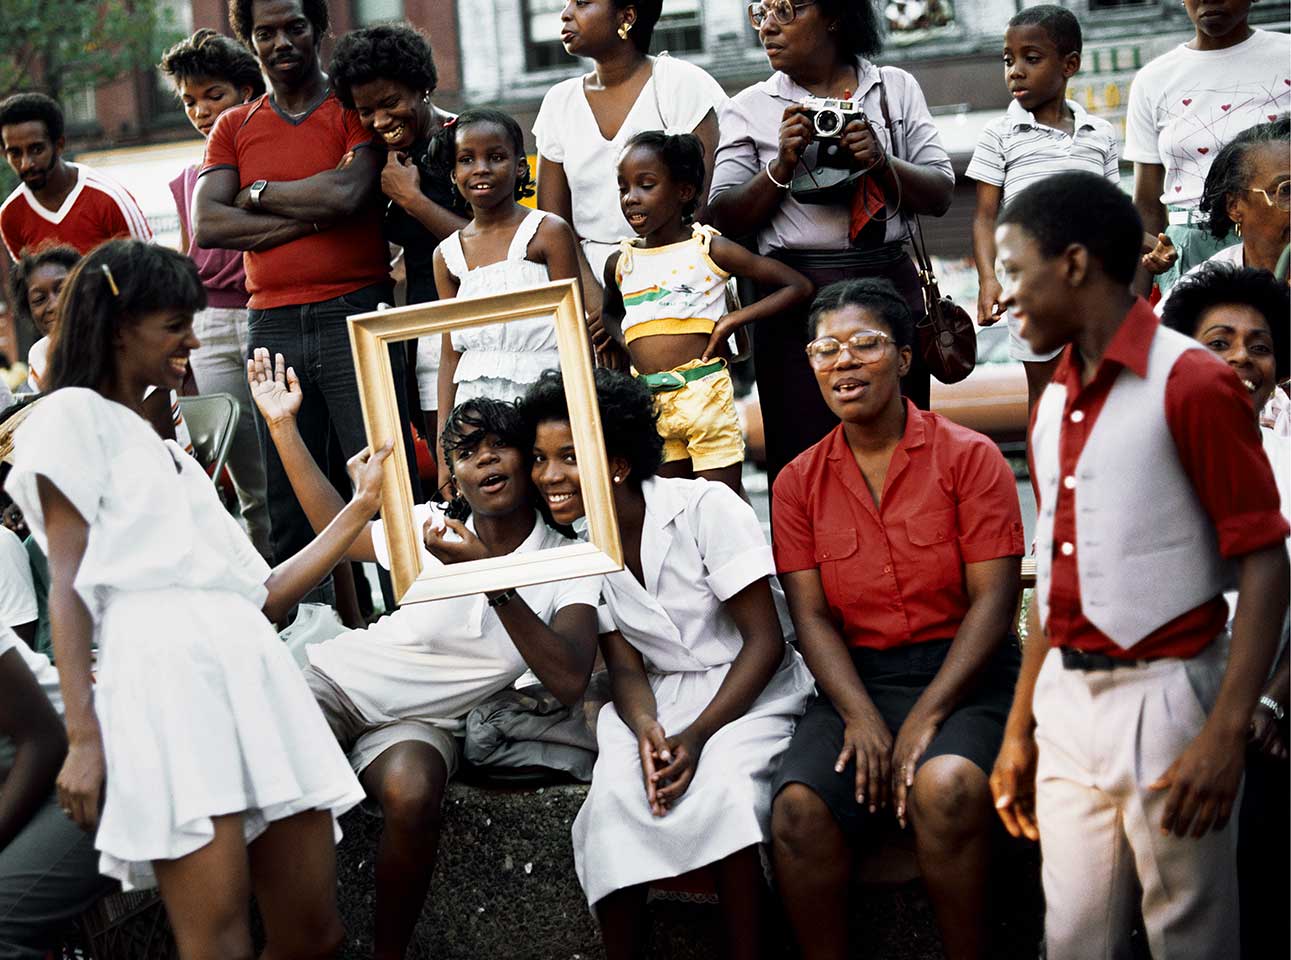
(913, 233)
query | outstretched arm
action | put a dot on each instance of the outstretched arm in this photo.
(219, 223)
(734, 259)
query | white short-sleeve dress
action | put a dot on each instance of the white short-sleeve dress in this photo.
(700, 545)
(675, 100)
(202, 709)
(500, 360)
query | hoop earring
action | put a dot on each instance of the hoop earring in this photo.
(624, 30)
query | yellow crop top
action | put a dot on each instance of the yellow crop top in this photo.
(675, 288)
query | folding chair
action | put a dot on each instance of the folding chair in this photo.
(211, 418)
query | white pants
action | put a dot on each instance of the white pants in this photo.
(220, 366)
(1103, 736)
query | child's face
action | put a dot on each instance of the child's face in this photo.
(486, 166)
(205, 98)
(648, 194)
(1035, 72)
(44, 286)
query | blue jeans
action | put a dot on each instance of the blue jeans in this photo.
(313, 339)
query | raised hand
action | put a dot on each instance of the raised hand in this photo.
(365, 470)
(453, 541)
(796, 132)
(400, 179)
(275, 388)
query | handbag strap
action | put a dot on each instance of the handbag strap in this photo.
(916, 233)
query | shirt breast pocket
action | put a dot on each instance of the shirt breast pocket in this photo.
(934, 544)
(836, 558)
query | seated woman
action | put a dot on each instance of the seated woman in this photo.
(397, 693)
(1241, 315)
(706, 692)
(898, 540)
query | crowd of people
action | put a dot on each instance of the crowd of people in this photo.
(787, 698)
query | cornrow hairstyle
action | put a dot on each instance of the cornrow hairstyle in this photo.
(1230, 172)
(476, 115)
(242, 19)
(1084, 209)
(628, 417)
(683, 156)
(1225, 284)
(860, 28)
(388, 51)
(1058, 22)
(207, 55)
(648, 12)
(65, 257)
(870, 293)
(28, 107)
(113, 287)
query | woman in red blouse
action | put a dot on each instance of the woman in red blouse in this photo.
(897, 539)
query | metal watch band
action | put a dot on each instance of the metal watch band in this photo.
(1275, 708)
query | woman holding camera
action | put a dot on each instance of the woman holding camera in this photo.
(826, 187)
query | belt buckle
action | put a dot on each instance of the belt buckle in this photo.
(664, 381)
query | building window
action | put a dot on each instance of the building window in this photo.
(368, 12)
(680, 30)
(904, 16)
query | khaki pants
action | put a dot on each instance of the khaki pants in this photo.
(1103, 736)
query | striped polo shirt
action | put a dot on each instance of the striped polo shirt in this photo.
(1015, 150)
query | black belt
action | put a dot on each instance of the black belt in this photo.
(848, 258)
(1073, 659)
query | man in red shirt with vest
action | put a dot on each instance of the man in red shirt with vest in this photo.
(58, 203)
(292, 179)
(1124, 749)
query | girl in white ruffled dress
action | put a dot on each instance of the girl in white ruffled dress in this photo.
(222, 778)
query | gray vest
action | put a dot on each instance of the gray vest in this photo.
(1146, 551)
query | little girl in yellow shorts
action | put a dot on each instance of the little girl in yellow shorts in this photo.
(665, 301)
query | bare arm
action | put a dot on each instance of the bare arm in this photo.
(1149, 181)
(219, 223)
(29, 720)
(794, 289)
(326, 196)
(555, 245)
(988, 284)
(612, 309)
(709, 136)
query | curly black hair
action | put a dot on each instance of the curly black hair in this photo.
(26, 107)
(683, 156)
(388, 51)
(1224, 284)
(471, 421)
(1085, 209)
(860, 27)
(208, 55)
(870, 293)
(1058, 22)
(1229, 174)
(242, 20)
(648, 12)
(61, 256)
(476, 115)
(627, 416)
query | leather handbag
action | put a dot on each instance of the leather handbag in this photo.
(947, 335)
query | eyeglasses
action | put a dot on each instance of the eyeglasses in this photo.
(865, 347)
(1281, 197)
(782, 10)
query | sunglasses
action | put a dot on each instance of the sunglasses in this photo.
(782, 11)
(865, 347)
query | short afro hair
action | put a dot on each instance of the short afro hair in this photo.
(60, 256)
(860, 28)
(29, 107)
(476, 115)
(628, 418)
(682, 155)
(242, 20)
(1084, 209)
(208, 55)
(1230, 171)
(1225, 284)
(388, 51)
(875, 294)
(1059, 23)
(648, 12)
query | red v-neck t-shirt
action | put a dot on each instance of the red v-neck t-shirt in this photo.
(261, 143)
(894, 575)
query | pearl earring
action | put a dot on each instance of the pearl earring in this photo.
(618, 479)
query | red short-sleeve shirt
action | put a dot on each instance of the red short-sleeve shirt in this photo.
(262, 144)
(895, 575)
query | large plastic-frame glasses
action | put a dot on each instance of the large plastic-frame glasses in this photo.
(866, 346)
(783, 11)
(1280, 198)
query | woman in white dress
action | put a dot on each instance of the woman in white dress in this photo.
(222, 778)
(585, 121)
(706, 693)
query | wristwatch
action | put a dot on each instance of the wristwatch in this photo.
(1273, 707)
(257, 189)
(502, 599)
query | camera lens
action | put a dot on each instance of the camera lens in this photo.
(828, 122)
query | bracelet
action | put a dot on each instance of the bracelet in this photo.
(771, 177)
(502, 599)
(1273, 707)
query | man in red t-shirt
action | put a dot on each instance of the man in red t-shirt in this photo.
(1123, 752)
(58, 203)
(292, 179)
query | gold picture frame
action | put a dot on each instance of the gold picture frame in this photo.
(370, 336)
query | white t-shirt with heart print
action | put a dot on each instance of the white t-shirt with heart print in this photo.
(1187, 104)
